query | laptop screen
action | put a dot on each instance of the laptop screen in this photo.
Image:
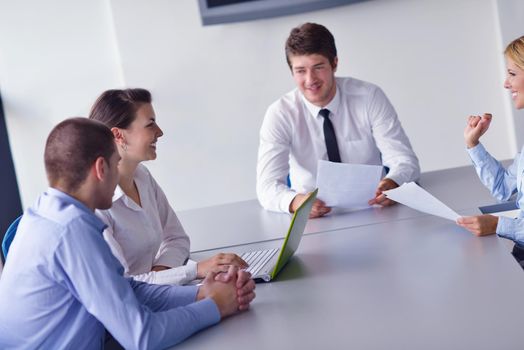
(294, 234)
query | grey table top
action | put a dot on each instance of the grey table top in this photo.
(418, 283)
(246, 222)
(382, 278)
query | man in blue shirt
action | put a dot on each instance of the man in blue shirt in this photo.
(61, 285)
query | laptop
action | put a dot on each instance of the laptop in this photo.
(264, 265)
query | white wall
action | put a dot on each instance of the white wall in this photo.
(213, 84)
(56, 56)
(438, 61)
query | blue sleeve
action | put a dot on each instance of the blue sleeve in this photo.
(511, 229)
(85, 266)
(163, 297)
(501, 182)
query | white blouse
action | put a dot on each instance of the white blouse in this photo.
(142, 237)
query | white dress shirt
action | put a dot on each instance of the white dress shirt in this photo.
(142, 237)
(292, 140)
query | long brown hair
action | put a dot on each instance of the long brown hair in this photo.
(117, 108)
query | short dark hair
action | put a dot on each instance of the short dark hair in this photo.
(311, 38)
(117, 108)
(71, 149)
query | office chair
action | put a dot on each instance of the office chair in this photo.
(9, 236)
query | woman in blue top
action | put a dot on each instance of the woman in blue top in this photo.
(502, 182)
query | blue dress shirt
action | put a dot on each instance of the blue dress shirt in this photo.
(502, 183)
(61, 286)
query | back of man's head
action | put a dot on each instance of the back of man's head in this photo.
(71, 149)
(309, 39)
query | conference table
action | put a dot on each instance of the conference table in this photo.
(380, 278)
(245, 222)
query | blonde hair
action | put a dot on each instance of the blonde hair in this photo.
(515, 51)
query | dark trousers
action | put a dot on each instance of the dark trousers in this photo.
(110, 343)
(518, 253)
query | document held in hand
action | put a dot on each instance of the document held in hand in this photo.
(416, 197)
(346, 185)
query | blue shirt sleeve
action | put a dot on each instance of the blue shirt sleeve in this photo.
(163, 297)
(501, 182)
(511, 229)
(138, 315)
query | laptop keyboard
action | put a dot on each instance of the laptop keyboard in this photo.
(258, 259)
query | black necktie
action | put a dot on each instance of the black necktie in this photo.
(329, 136)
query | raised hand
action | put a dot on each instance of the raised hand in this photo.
(476, 127)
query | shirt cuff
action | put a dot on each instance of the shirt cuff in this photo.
(183, 295)
(176, 275)
(285, 200)
(507, 228)
(206, 311)
(477, 154)
(191, 269)
(398, 178)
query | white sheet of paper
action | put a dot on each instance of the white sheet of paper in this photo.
(415, 197)
(347, 185)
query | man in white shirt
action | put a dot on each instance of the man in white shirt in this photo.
(337, 119)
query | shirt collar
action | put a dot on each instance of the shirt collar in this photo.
(118, 193)
(66, 198)
(128, 202)
(333, 105)
(69, 200)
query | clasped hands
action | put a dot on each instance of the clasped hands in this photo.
(230, 287)
(232, 291)
(224, 275)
